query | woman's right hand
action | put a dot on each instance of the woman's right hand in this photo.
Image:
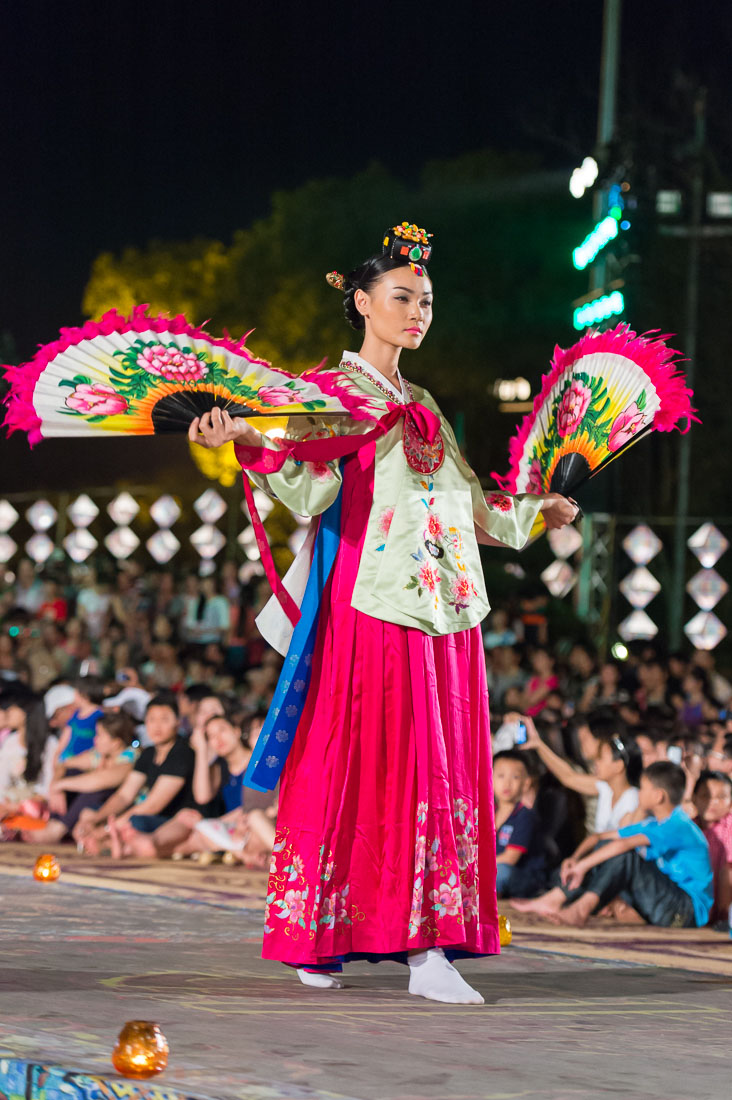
(217, 427)
(566, 868)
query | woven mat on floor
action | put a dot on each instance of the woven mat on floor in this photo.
(697, 949)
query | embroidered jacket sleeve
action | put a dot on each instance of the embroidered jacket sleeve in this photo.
(507, 518)
(307, 488)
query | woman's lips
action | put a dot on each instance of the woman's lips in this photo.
(417, 331)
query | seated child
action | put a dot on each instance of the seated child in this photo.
(713, 803)
(89, 778)
(79, 733)
(519, 857)
(671, 886)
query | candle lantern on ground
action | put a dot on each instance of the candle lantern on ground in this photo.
(504, 931)
(141, 1051)
(46, 868)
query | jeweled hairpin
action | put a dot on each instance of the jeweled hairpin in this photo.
(335, 279)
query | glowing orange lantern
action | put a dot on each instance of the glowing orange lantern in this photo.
(141, 1051)
(46, 868)
(504, 931)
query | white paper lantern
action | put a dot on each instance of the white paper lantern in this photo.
(705, 631)
(123, 509)
(165, 511)
(638, 626)
(639, 587)
(162, 546)
(641, 545)
(41, 515)
(39, 547)
(706, 588)
(80, 544)
(8, 516)
(7, 548)
(210, 506)
(208, 541)
(122, 542)
(559, 577)
(708, 543)
(565, 541)
(82, 511)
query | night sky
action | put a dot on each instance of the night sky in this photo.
(126, 122)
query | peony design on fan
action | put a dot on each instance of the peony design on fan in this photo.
(600, 396)
(172, 363)
(141, 374)
(94, 398)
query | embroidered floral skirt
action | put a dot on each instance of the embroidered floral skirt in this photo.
(386, 838)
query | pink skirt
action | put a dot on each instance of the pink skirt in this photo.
(385, 835)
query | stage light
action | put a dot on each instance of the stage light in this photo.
(620, 651)
(599, 309)
(604, 232)
(582, 178)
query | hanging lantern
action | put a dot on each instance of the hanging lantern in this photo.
(141, 1051)
(504, 931)
(46, 868)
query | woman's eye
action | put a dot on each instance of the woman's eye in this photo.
(401, 298)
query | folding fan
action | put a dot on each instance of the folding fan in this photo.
(600, 397)
(143, 375)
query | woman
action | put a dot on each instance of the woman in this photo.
(385, 842)
(26, 757)
(206, 618)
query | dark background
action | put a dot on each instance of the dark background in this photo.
(130, 122)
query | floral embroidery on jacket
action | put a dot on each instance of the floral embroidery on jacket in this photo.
(383, 524)
(427, 576)
(499, 502)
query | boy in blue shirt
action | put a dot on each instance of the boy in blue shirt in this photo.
(520, 866)
(670, 885)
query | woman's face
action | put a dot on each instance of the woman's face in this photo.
(398, 309)
(13, 717)
(222, 736)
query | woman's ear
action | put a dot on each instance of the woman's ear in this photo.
(361, 302)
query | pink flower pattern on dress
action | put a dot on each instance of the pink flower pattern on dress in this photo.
(434, 529)
(172, 363)
(500, 502)
(384, 521)
(320, 471)
(470, 901)
(462, 590)
(428, 577)
(96, 398)
(292, 906)
(625, 425)
(572, 407)
(447, 898)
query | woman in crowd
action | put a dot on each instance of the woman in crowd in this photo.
(27, 752)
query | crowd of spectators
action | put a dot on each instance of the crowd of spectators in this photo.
(130, 705)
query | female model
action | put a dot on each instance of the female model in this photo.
(385, 841)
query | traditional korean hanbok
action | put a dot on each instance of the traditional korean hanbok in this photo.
(385, 838)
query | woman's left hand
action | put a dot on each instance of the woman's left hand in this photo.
(558, 511)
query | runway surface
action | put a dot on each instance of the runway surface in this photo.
(79, 962)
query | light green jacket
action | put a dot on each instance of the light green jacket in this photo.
(420, 564)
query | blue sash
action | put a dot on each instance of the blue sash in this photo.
(278, 731)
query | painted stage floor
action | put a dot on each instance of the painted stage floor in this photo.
(78, 962)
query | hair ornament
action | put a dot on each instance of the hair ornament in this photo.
(409, 243)
(336, 280)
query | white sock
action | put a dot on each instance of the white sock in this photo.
(319, 980)
(433, 977)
